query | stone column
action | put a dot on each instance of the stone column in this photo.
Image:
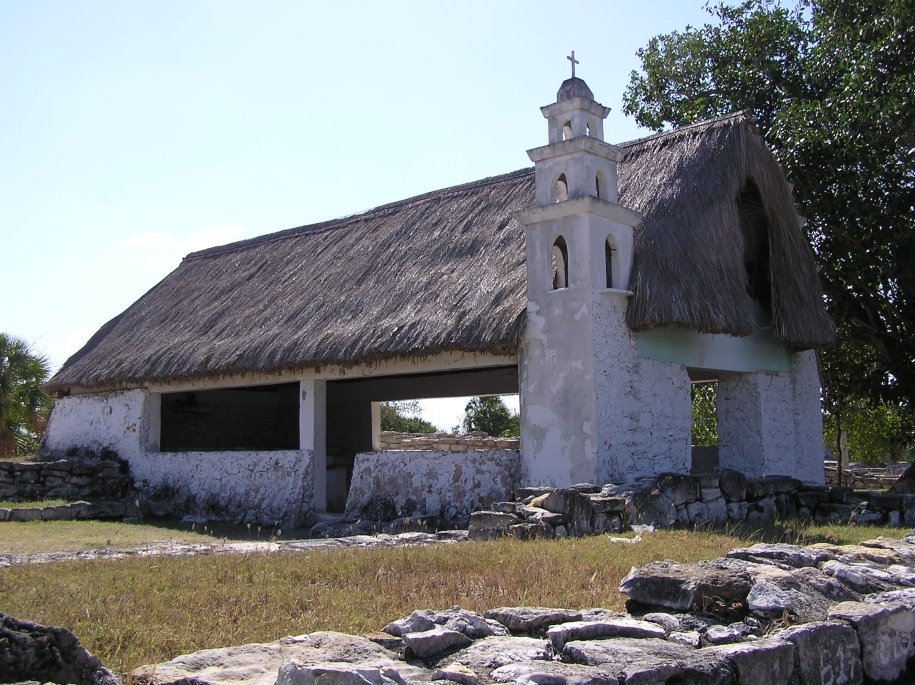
(312, 435)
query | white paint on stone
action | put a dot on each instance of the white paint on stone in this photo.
(770, 423)
(254, 486)
(446, 484)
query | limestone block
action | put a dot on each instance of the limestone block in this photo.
(682, 587)
(825, 652)
(538, 514)
(722, 635)
(4, 514)
(22, 515)
(757, 488)
(761, 512)
(573, 504)
(456, 673)
(762, 662)
(886, 633)
(488, 654)
(467, 623)
(531, 619)
(791, 556)
(531, 530)
(690, 638)
(552, 673)
(606, 523)
(737, 511)
(434, 641)
(295, 673)
(679, 488)
(487, 525)
(602, 505)
(623, 626)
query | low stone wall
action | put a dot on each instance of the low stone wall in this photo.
(864, 477)
(684, 500)
(71, 479)
(444, 442)
(118, 509)
(445, 485)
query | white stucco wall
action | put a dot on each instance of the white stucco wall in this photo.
(261, 487)
(446, 484)
(245, 487)
(771, 423)
(114, 420)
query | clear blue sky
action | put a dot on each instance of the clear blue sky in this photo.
(134, 132)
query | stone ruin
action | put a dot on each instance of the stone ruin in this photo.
(761, 615)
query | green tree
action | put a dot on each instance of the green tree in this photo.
(705, 420)
(490, 415)
(404, 417)
(830, 84)
(24, 408)
(877, 434)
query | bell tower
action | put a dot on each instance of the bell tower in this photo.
(579, 257)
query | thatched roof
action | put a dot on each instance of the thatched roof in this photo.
(445, 271)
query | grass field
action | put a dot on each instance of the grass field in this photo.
(34, 504)
(136, 611)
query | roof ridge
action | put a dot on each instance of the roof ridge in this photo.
(341, 222)
(739, 114)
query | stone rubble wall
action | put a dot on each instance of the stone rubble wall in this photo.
(863, 477)
(685, 500)
(761, 615)
(96, 478)
(444, 442)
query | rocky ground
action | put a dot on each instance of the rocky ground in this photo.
(762, 614)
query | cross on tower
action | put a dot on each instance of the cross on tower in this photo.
(574, 61)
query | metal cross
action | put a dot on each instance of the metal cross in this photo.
(573, 61)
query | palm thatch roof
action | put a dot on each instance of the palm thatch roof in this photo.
(445, 271)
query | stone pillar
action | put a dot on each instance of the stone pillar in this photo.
(312, 435)
(770, 423)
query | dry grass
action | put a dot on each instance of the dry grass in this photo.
(137, 611)
(35, 504)
(72, 536)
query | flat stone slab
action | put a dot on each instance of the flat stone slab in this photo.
(682, 587)
(484, 656)
(595, 630)
(531, 619)
(553, 673)
(886, 633)
(468, 623)
(434, 641)
(259, 663)
(825, 652)
(762, 662)
(788, 556)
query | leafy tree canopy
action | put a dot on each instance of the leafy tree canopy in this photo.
(830, 83)
(404, 417)
(24, 408)
(490, 415)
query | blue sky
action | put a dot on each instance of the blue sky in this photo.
(134, 132)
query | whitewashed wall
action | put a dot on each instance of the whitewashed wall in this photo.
(256, 487)
(446, 484)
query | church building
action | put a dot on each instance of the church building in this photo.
(600, 285)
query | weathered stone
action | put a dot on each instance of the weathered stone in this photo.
(737, 511)
(531, 619)
(679, 489)
(531, 530)
(648, 661)
(733, 485)
(295, 673)
(603, 505)
(507, 508)
(833, 512)
(804, 594)
(552, 673)
(436, 640)
(762, 662)
(467, 623)
(624, 626)
(905, 597)
(456, 673)
(573, 504)
(257, 664)
(486, 525)
(722, 635)
(650, 507)
(585, 488)
(757, 488)
(682, 587)
(787, 556)
(22, 514)
(488, 654)
(824, 652)
(886, 633)
(668, 622)
(761, 512)
(812, 499)
(29, 651)
(606, 523)
(538, 514)
(690, 638)
(864, 578)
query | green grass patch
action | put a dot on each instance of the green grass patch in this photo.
(145, 610)
(33, 504)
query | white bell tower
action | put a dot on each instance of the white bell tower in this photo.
(579, 258)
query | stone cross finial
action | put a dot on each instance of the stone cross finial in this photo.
(574, 61)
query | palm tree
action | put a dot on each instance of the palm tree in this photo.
(24, 408)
